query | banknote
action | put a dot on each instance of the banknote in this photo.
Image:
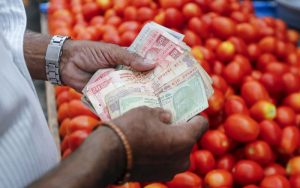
(178, 83)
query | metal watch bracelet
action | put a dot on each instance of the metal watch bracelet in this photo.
(53, 55)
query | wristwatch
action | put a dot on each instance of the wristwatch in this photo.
(53, 54)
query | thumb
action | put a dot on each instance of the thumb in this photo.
(122, 56)
(196, 126)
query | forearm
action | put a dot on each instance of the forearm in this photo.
(35, 47)
(97, 163)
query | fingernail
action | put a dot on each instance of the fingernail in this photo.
(149, 62)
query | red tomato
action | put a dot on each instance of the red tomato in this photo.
(64, 145)
(212, 43)
(155, 185)
(127, 38)
(76, 138)
(293, 166)
(60, 89)
(244, 62)
(63, 112)
(219, 83)
(273, 169)
(277, 68)
(226, 162)
(264, 60)
(204, 161)
(66, 153)
(218, 178)
(141, 3)
(280, 49)
(83, 123)
(235, 104)
(64, 127)
(199, 27)
(128, 26)
(251, 186)
(90, 10)
(62, 97)
(295, 181)
(225, 51)
(285, 116)
(239, 44)
(192, 166)
(185, 180)
(246, 31)
(253, 91)
(191, 10)
(277, 181)
(77, 108)
(272, 82)
(291, 83)
(267, 44)
(270, 132)
(223, 27)
(215, 141)
(259, 151)
(145, 14)
(292, 36)
(233, 73)
(217, 67)
(241, 127)
(191, 38)
(262, 110)
(130, 13)
(293, 101)
(290, 140)
(127, 185)
(247, 172)
(171, 3)
(174, 18)
(216, 102)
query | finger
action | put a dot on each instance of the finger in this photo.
(164, 116)
(121, 56)
(196, 126)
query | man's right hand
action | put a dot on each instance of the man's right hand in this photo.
(160, 150)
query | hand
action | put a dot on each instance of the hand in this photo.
(81, 59)
(160, 150)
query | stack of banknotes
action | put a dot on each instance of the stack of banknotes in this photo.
(178, 83)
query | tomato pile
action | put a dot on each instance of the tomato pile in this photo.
(254, 114)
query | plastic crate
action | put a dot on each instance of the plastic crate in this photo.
(289, 11)
(265, 8)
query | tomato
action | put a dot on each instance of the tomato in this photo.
(264, 60)
(259, 151)
(204, 161)
(141, 3)
(285, 116)
(114, 21)
(267, 44)
(155, 185)
(293, 166)
(64, 145)
(192, 166)
(185, 180)
(223, 27)
(235, 104)
(219, 83)
(171, 3)
(233, 73)
(127, 38)
(292, 36)
(293, 59)
(191, 10)
(274, 168)
(60, 89)
(217, 67)
(247, 172)
(130, 13)
(253, 91)
(128, 26)
(246, 31)
(127, 185)
(293, 101)
(215, 141)
(216, 102)
(62, 97)
(251, 186)
(90, 10)
(63, 112)
(295, 181)
(280, 49)
(226, 162)
(239, 45)
(241, 127)
(199, 27)
(145, 14)
(277, 68)
(76, 108)
(191, 38)
(76, 138)
(262, 110)
(225, 51)
(270, 132)
(291, 83)
(64, 127)
(174, 18)
(83, 123)
(290, 140)
(277, 181)
(212, 43)
(66, 153)
(218, 178)
(245, 63)
(272, 82)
